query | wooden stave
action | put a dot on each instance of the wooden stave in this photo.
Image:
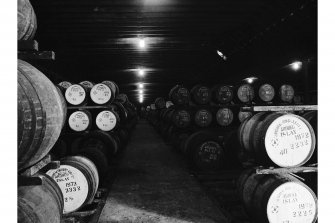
(26, 18)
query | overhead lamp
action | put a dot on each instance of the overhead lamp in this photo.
(141, 43)
(141, 72)
(296, 65)
(141, 91)
(140, 85)
(250, 80)
(141, 100)
(221, 55)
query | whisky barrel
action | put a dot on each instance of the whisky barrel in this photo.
(122, 98)
(101, 94)
(40, 115)
(113, 86)
(160, 103)
(224, 116)
(80, 121)
(246, 93)
(179, 95)
(276, 198)
(77, 94)
(200, 94)
(107, 120)
(88, 84)
(168, 104)
(26, 20)
(181, 118)
(203, 117)
(64, 105)
(283, 139)
(286, 93)
(40, 203)
(78, 179)
(205, 150)
(222, 94)
(266, 92)
(242, 115)
(63, 86)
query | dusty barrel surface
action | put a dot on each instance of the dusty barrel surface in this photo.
(41, 203)
(246, 93)
(200, 94)
(181, 118)
(242, 115)
(113, 86)
(286, 93)
(222, 94)
(179, 95)
(283, 139)
(277, 198)
(76, 94)
(266, 92)
(204, 149)
(160, 103)
(26, 20)
(78, 179)
(80, 121)
(41, 115)
(224, 116)
(203, 117)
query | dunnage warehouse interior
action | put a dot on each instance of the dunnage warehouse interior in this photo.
(167, 111)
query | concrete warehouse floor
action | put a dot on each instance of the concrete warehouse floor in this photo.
(153, 185)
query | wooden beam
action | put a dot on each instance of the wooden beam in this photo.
(281, 108)
(27, 45)
(40, 55)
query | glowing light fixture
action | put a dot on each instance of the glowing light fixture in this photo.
(296, 65)
(141, 72)
(140, 85)
(142, 44)
(141, 91)
(141, 100)
(221, 55)
(250, 80)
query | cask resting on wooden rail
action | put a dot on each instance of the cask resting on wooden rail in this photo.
(80, 121)
(179, 95)
(273, 198)
(41, 115)
(78, 180)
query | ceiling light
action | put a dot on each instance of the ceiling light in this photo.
(141, 91)
(141, 100)
(221, 55)
(141, 72)
(140, 85)
(250, 80)
(296, 65)
(141, 44)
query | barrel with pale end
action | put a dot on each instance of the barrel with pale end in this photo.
(181, 118)
(222, 94)
(107, 120)
(40, 203)
(63, 86)
(41, 115)
(283, 139)
(78, 179)
(113, 86)
(224, 116)
(246, 93)
(101, 94)
(26, 20)
(80, 121)
(266, 92)
(179, 95)
(76, 95)
(273, 198)
(200, 94)
(203, 117)
(286, 93)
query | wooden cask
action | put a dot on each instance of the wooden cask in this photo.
(88, 84)
(160, 103)
(63, 86)
(179, 95)
(181, 118)
(78, 179)
(224, 116)
(242, 115)
(203, 117)
(200, 94)
(266, 92)
(41, 203)
(80, 121)
(101, 94)
(222, 94)
(273, 198)
(205, 150)
(77, 94)
(107, 120)
(286, 93)
(113, 86)
(246, 93)
(26, 20)
(283, 139)
(40, 115)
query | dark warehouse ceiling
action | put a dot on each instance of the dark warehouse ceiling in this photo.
(97, 40)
